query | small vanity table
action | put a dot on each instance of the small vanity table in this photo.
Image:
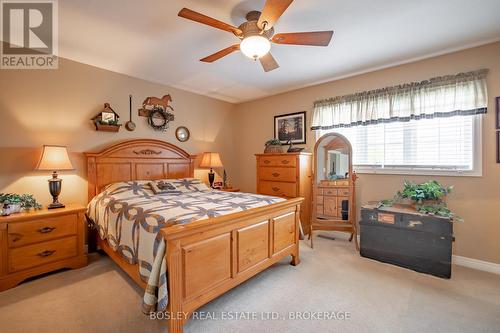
(334, 207)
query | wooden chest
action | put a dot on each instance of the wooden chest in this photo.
(287, 175)
(404, 237)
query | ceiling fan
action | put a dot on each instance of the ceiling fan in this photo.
(257, 33)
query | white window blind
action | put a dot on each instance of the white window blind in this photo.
(431, 146)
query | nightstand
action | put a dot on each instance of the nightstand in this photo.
(41, 241)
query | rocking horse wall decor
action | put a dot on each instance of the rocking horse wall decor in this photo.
(158, 112)
(155, 102)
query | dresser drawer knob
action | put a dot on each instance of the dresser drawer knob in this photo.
(285, 161)
(46, 230)
(46, 253)
(267, 161)
(276, 189)
(275, 174)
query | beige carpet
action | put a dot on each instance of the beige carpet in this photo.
(332, 277)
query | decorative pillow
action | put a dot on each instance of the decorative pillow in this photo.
(162, 186)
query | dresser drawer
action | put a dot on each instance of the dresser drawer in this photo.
(329, 191)
(41, 230)
(278, 189)
(281, 160)
(343, 192)
(41, 253)
(279, 174)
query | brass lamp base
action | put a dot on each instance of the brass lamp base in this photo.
(55, 189)
(55, 205)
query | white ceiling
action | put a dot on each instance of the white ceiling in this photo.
(146, 39)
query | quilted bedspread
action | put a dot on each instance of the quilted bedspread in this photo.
(129, 216)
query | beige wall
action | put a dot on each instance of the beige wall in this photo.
(475, 198)
(55, 107)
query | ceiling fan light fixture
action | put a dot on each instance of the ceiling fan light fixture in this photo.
(255, 46)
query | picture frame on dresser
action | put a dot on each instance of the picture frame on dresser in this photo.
(290, 126)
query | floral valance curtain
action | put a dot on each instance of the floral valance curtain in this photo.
(461, 94)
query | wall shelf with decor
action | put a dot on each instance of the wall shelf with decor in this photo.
(107, 128)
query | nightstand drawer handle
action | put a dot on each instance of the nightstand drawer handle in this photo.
(46, 253)
(267, 161)
(46, 230)
(276, 174)
(276, 189)
(285, 161)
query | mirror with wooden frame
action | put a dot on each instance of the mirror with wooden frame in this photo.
(334, 199)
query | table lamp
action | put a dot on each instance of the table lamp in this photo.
(211, 160)
(55, 158)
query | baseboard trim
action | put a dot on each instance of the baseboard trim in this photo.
(480, 265)
(477, 264)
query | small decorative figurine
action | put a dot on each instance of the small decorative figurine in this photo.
(293, 149)
(224, 179)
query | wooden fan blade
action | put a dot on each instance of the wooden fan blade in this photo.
(221, 53)
(200, 18)
(316, 38)
(273, 9)
(268, 62)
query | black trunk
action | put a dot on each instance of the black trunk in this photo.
(407, 239)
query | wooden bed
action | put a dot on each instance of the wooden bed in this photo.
(204, 258)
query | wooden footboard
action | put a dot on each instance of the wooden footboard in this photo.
(209, 257)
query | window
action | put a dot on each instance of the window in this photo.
(438, 146)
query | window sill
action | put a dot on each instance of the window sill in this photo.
(416, 172)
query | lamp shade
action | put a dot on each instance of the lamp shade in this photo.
(54, 158)
(210, 160)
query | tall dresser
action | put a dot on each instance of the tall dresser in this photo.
(287, 175)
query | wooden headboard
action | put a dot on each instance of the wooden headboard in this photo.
(137, 160)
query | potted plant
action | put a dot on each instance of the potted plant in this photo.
(430, 192)
(15, 202)
(273, 146)
(427, 198)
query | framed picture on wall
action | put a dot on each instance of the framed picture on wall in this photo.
(291, 126)
(497, 108)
